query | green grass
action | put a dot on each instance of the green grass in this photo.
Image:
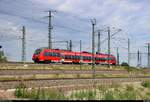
(102, 92)
(39, 94)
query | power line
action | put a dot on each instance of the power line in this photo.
(93, 21)
(80, 54)
(64, 13)
(35, 20)
(76, 17)
(99, 42)
(70, 45)
(128, 51)
(23, 45)
(108, 46)
(76, 30)
(50, 29)
(148, 52)
(111, 35)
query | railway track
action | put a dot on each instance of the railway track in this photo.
(49, 82)
(43, 64)
(67, 81)
(30, 64)
(48, 71)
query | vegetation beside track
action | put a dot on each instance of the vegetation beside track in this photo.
(124, 91)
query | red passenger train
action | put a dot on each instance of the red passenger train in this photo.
(66, 56)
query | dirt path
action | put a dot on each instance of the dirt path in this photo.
(7, 95)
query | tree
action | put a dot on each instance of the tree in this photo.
(2, 57)
(124, 64)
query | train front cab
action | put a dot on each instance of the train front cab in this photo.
(36, 56)
(46, 56)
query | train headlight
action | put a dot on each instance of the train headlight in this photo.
(81, 61)
(62, 60)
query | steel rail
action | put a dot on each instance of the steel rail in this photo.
(67, 81)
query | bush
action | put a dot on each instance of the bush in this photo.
(40, 94)
(124, 64)
(21, 92)
(109, 95)
(146, 84)
(2, 57)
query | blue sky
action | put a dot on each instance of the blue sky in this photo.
(72, 22)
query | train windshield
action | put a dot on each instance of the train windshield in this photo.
(38, 51)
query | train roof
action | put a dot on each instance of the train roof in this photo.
(46, 48)
(72, 52)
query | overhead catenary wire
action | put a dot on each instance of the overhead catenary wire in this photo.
(36, 6)
(42, 22)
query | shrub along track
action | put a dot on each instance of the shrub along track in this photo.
(53, 82)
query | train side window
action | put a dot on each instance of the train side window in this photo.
(46, 54)
(87, 58)
(73, 57)
(99, 59)
(84, 58)
(66, 57)
(58, 55)
(109, 58)
(54, 54)
(38, 51)
(102, 59)
(70, 57)
(90, 58)
(76, 57)
(49, 53)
